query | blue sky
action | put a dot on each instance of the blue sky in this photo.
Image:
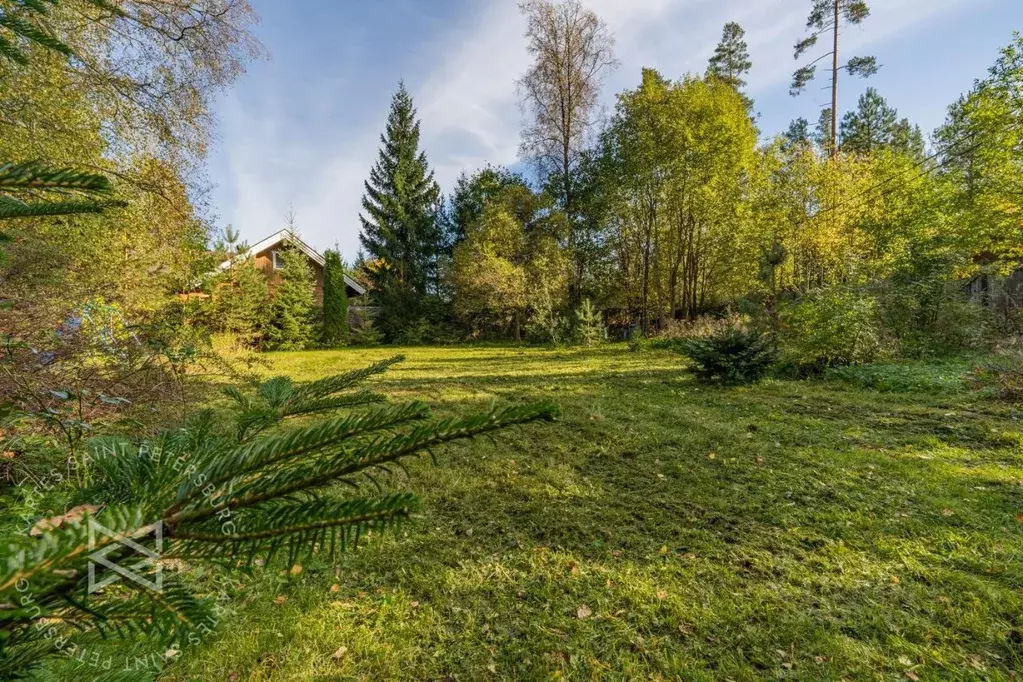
(301, 129)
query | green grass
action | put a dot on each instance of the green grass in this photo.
(834, 529)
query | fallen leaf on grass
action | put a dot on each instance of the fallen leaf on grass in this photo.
(910, 675)
(335, 588)
(341, 651)
(280, 599)
(296, 569)
(946, 512)
(583, 612)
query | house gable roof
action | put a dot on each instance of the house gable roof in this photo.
(286, 236)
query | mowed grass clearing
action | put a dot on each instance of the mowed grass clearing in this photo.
(866, 528)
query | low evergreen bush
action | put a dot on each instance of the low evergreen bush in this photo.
(589, 326)
(730, 356)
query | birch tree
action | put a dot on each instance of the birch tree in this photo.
(572, 52)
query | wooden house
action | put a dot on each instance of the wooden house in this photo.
(266, 255)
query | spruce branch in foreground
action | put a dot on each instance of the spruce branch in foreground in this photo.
(215, 499)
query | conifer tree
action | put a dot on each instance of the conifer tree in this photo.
(730, 62)
(876, 125)
(335, 300)
(241, 299)
(828, 16)
(822, 134)
(908, 138)
(288, 324)
(869, 127)
(798, 132)
(589, 324)
(400, 226)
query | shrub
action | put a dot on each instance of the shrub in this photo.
(932, 316)
(637, 340)
(730, 356)
(828, 328)
(92, 371)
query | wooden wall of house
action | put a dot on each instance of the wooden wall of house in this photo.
(264, 261)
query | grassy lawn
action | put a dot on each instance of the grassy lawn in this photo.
(863, 527)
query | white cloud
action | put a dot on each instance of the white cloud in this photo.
(468, 105)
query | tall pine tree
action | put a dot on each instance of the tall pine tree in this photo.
(731, 62)
(400, 226)
(828, 17)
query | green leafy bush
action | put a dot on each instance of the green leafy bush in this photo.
(930, 315)
(829, 328)
(730, 356)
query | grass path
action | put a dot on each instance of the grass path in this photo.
(663, 530)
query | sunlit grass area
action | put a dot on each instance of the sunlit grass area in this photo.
(863, 526)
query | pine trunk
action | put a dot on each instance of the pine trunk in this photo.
(834, 86)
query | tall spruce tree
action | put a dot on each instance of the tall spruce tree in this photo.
(335, 300)
(730, 62)
(828, 16)
(400, 223)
